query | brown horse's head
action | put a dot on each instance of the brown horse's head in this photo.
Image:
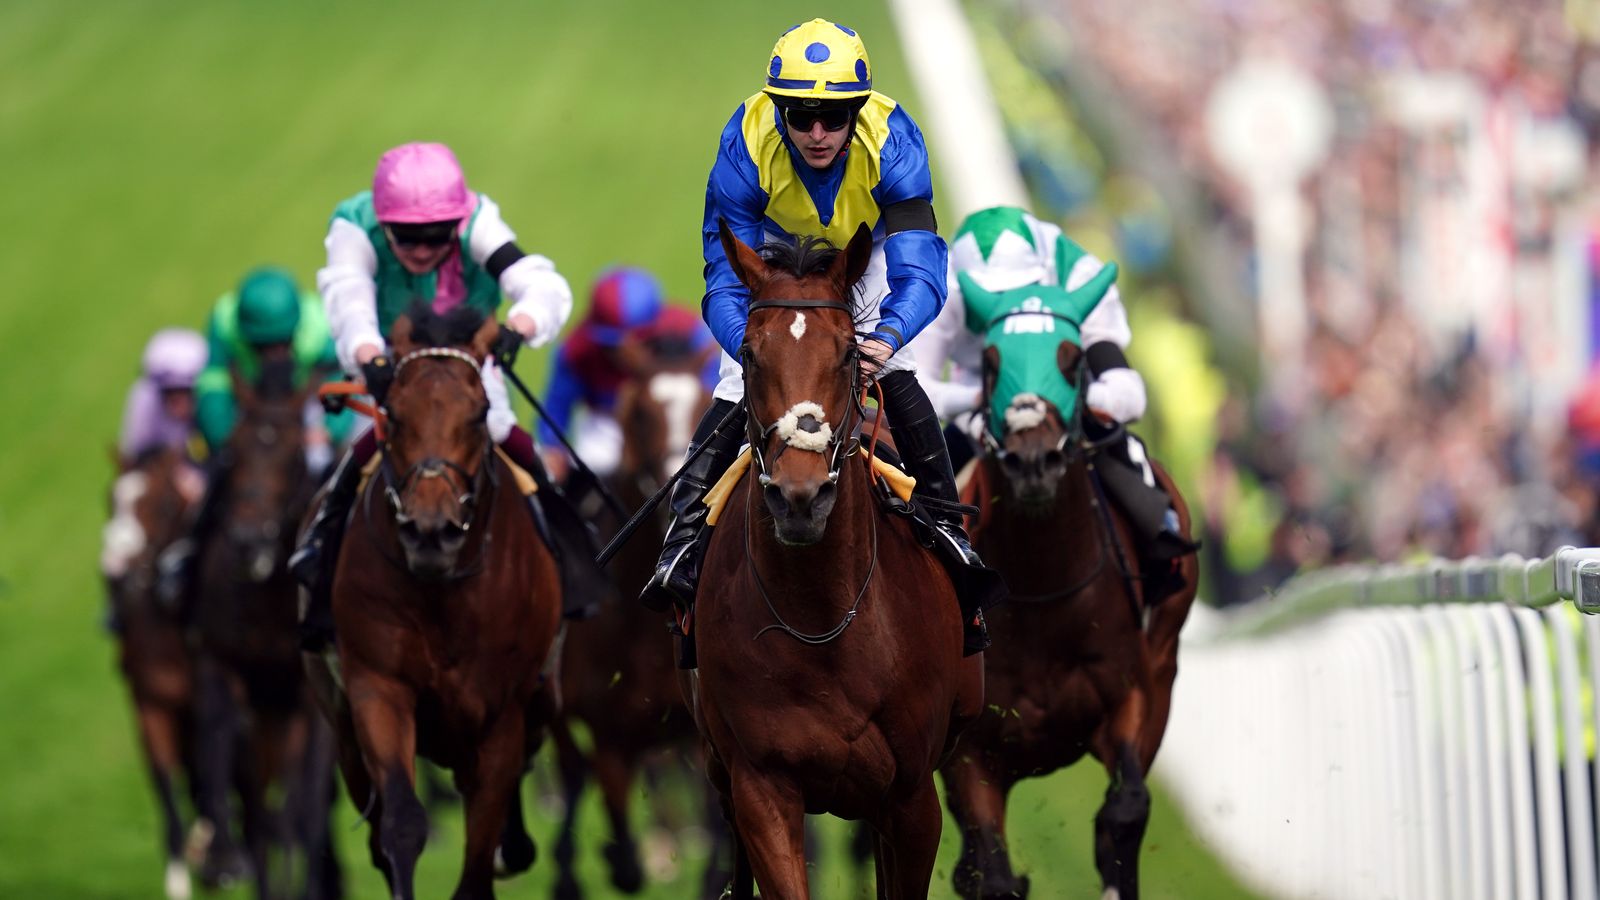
(800, 367)
(1035, 448)
(657, 408)
(266, 480)
(438, 434)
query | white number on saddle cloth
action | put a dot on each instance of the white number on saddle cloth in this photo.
(1020, 322)
(677, 392)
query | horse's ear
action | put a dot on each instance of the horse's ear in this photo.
(122, 463)
(1082, 300)
(635, 358)
(747, 263)
(981, 305)
(484, 339)
(851, 264)
(991, 374)
(400, 336)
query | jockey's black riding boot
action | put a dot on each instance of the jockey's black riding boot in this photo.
(919, 439)
(565, 531)
(175, 566)
(312, 563)
(678, 570)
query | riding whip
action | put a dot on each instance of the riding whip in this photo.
(606, 495)
(649, 507)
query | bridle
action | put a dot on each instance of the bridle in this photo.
(466, 485)
(841, 445)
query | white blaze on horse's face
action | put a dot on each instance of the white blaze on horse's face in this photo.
(677, 392)
(791, 432)
(124, 537)
(798, 327)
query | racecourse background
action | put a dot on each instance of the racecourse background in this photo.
(156, 150)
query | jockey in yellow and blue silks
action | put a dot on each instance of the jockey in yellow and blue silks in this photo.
(819, 152)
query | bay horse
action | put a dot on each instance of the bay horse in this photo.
(258, 725)
(1086, 648)
(150, 502)
(831, 676)
(618, 674)
(446, 605)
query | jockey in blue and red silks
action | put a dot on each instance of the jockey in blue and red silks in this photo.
(818, 152)
(420, 235)
(625, 306)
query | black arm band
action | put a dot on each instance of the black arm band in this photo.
(909, 215)
(501, 259)
(1105, 356)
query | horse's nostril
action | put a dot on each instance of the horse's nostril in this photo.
(776, 501)
(1054, 459)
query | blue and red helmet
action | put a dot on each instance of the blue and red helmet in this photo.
(623, 300)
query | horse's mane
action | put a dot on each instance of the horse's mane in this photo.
(808, 255)
(455, 328)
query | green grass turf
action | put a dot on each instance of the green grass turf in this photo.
(156, 150)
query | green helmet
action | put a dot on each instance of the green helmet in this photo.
(269, 307)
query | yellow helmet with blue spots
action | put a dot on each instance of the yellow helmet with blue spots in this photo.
(818, 62)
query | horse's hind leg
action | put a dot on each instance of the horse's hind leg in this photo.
(770, 820)
(622, 854)
(1119, 825)
(908, 844)
(572, 765)
(976, 794)
(487, 784)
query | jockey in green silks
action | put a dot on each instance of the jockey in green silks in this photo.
(266, 329)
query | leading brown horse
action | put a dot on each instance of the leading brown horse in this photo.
(831, 676)
(1086, 648)
(446, 604)
(150, 502)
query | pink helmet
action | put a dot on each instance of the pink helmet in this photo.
(418, 183)
(174, 357)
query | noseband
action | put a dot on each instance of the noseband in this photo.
(840, 443)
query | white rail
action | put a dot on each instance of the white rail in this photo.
(1399, 731)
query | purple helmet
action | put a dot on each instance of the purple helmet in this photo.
(418, 183)
(174, 357)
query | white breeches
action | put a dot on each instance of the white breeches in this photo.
(598, 439)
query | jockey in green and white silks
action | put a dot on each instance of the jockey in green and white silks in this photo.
(1001, 250)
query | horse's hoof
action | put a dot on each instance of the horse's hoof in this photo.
(626, 875)
(514, 856)
(566, 888)
(177, 882)
(224, 868)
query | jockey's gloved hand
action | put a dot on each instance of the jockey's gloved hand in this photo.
(378, 374)
(507, 345)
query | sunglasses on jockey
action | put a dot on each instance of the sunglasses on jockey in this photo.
(833, 118)
(424, 234)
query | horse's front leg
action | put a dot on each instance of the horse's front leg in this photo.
(486, 786)
(769, 818)
(215, 734)
(976, 793)
(909, 844)
(384, 715)
(1120, 824)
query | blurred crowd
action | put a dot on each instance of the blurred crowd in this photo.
(1434, 398)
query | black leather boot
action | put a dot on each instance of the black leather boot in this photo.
(920, 440)
(678, 570)
(312, 563)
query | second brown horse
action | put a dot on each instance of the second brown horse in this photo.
(446, 603)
